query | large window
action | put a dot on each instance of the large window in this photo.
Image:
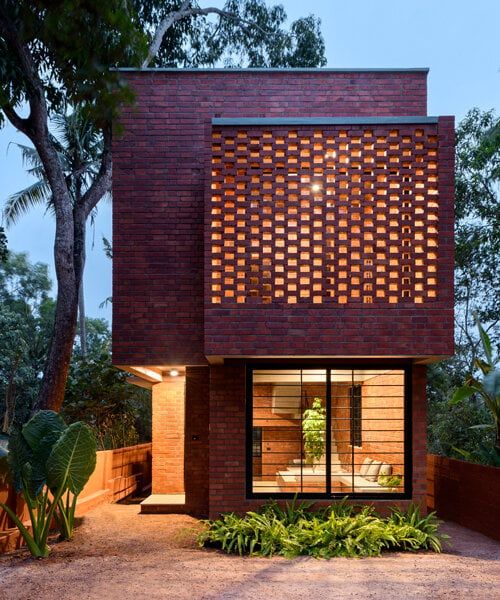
(327, 432)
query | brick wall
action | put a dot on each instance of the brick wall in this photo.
(196, 436)
(160, 176)
(329, 241)
(465, 493)
(168, 400)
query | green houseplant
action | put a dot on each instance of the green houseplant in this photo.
(50, 463)
(313, 431)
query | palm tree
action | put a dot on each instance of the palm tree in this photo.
(79, 146)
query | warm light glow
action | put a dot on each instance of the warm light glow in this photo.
(173, 372)
(378, 221)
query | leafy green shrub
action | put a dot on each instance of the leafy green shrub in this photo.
(50, 463)
(337, 530)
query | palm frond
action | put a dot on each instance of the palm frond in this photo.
(21, 202)
(29, 155)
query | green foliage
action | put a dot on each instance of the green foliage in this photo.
(337, 530)
(477, 228)
(256, 37)
(486, 387)
(73, 48)
(389, 480)
(26, 315)
(47, 456)
(313, 431)
(458, 430)
(98, 394)
(78, 144)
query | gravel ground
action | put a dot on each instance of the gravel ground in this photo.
(118, 554)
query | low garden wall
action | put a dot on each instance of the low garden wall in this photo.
(464, 492)
(118, 474)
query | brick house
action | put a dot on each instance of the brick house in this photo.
(282, 275)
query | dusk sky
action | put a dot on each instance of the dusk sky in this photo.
(456, 39)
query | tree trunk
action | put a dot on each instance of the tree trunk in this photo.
(81, 321)
(69, 254)
(51, 394)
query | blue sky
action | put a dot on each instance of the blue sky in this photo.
(457, 39)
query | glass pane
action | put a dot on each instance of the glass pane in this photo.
(367, 431)
(289, 408)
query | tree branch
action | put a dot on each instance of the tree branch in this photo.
(184, 12)
(21, 124)
(102, 182)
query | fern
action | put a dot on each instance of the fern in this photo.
(337, 530)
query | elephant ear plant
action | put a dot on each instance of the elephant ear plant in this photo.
(50, 463)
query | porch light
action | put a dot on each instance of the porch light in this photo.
(173, 372)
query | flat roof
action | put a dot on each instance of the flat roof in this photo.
(324, 121)
(272, 70)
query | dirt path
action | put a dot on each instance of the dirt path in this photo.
(118, 554)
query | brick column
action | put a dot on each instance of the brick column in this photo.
(168, 437)
(419, 426)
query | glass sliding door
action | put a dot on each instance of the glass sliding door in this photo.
(289, 407)
(327, 432)
(367, 431)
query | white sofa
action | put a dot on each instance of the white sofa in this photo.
(364, 482)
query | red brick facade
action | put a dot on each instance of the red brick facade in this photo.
(160, 179)
(274, 239)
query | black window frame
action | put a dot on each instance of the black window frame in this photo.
(356, 416)
(404, 366)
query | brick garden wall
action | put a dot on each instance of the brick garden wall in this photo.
(465, 493)
(159, 181)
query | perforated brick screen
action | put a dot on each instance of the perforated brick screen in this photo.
(338, 215)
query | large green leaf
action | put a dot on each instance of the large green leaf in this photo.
(20, 454)
(41, 432)
(72, 460)
(462, 393)
(45, 424)
(492, 383)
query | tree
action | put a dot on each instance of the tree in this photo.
(477, 227)
(26, 315)
(79, 147)
(477, 280)
(58, 55)
(3, 246)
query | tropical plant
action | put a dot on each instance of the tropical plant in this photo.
(313, 431)
(337, 530)
(50, 463)
(484, 385)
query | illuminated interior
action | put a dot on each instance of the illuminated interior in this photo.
(308, 424)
